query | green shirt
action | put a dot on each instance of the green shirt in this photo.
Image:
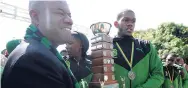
(178, 82)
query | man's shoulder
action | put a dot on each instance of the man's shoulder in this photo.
(142, 41)
(30, 47)
(35, 57)
(29, 51)
(143, 44)
(32, 61)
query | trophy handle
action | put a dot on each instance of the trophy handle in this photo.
(109, 28)
(92, 29)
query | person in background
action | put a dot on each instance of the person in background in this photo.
(175, 75)
(12, 44)
(163, 58)
(80, 65)
(35, 62)
(136, 60)
(180, 61)
(3, 59)
(4, 55)
(4, 52)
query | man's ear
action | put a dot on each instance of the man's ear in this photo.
(34, 17)
(116, 24)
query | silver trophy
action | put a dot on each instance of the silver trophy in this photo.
(102, 62)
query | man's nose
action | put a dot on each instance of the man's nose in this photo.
(129, 24)
(68, 20)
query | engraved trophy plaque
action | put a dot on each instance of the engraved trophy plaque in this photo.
(102, 62)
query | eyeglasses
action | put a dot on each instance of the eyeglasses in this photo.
(171, 60)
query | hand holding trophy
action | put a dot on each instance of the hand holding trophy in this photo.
(102, 62)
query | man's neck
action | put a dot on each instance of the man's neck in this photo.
(126, 36)
(55, 45)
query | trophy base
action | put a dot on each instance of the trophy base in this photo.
(106, 85)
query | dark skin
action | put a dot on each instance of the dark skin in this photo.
(180, 61)
(75, 49)
(170, 60)
(125, 23)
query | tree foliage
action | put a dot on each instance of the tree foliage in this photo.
(167, 38)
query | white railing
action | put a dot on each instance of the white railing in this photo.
(10, 11)
(14, 12)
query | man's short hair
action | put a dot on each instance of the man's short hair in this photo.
(122, 13)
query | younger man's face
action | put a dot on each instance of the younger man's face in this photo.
(126, 23)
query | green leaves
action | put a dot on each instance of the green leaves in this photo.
(165, 38)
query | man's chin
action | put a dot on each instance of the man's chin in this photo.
(128, 34)
(67, 42)
(61, 42)
(67, 39)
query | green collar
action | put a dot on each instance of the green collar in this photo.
(33, 33)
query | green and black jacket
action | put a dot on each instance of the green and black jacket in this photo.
(82, 72)
(36, 63)
(178, 80)
(146, 64)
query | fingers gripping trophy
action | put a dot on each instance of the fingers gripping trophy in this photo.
(102, 62)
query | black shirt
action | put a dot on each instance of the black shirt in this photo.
(81, 69)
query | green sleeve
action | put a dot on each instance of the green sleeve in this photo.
(156, 78)
(185, 79)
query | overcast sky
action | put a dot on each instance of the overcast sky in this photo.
(149, 14)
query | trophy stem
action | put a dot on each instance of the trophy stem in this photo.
(102, 62)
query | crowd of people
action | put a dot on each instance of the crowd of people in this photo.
(34, 62)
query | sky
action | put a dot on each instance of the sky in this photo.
(149, 14)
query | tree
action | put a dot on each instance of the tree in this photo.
(167, 38)
(144, 34)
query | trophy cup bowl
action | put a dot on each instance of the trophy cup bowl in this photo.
(101, 28)
(102, 53)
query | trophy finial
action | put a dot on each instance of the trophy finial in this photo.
(101, 28)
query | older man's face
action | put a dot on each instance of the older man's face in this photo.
(55, 22)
